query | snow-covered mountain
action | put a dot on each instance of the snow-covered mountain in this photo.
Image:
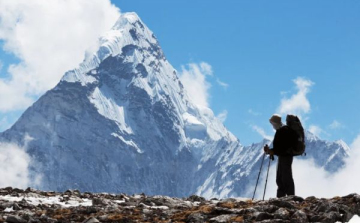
(122, 122)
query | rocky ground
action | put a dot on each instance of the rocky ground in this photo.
(18, 206)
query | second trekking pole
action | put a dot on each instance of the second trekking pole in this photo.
(267, 175)
(262, 161)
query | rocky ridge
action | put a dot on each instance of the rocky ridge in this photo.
(30, 205)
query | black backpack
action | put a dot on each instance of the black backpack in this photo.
(294, 123)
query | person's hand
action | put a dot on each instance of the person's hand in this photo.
(271, 152)
(267, 150)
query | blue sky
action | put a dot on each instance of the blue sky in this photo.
(258, 48)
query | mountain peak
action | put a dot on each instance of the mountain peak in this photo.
(128, 30)
(128, 17)
(311, 136)
(343, 145)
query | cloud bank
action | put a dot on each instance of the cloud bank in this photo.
(193, 77)
(49, 38)
(14, 167)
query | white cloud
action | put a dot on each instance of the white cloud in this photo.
(322, 184)
(14, 165)
(194, 80)
(206, 68)
(316, 130)
(261, 132)
(252, 112)
(222, 116)
(222, 84)
(298, 103)
(49, 38)
(335, 125)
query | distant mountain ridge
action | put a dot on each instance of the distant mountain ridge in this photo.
(123, 122)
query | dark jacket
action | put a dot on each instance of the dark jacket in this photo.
(284, 139)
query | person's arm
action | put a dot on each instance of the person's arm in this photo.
(277, 143)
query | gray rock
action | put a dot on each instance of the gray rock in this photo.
(224, 211)
(32, 220)
(103, 217)
(346, 212)
(266, 208)
(282, 213)
(332, 216)
(91, 220)
(281, 203)
(274, 221)
(19, 191)
(311, 198)
(299, 217)
(147, 211)
(99, 201)
(293, 198)
(315, 218)
(195, 218)
(194, 198)
(51, 220)
(15, 219)
(260, 216)
(73, 193)
(222, 218)
(16, 207)
(5, 205)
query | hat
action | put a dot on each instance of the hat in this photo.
(275, 119)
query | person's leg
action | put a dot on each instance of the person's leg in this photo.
(287, 178)
(279, 179)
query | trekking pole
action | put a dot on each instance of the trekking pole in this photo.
(267, 175)
(262, 161)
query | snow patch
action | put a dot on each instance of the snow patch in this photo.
(49, 200)
(193, 127)
(9, 209)
(109, 108)
(128, 142)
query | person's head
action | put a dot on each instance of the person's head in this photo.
(275, 121)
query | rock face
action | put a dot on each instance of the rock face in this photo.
(122, 122)
(74, 206)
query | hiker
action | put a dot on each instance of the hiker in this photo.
(284, 139)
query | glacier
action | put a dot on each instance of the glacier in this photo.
(123, 122)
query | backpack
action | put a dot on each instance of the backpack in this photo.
(294, 123)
